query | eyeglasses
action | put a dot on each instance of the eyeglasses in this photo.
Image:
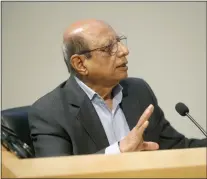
(111, 49)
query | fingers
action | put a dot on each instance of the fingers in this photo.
(135, 137)
(145, 116)
(150, 146)
(142, 128)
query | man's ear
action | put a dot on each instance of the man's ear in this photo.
(77, 62)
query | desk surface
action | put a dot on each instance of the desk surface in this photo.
(190, 163)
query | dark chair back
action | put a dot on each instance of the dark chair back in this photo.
(17, 120)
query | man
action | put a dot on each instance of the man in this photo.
(98, 109)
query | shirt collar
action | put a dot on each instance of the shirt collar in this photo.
(90, 93)
(117, 91)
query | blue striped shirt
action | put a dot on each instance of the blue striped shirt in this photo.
(113, 121)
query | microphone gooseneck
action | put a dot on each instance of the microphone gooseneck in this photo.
(183, 110)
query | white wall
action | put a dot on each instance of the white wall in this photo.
(167, 43)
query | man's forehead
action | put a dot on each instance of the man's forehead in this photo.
(97, 33)
(101, 36)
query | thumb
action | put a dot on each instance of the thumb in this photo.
(150, 146)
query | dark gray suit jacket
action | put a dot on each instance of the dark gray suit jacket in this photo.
(64, 121)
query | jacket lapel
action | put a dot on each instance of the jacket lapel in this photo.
(92, 124)
(85, 113)
(130, 107)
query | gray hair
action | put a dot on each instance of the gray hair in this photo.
(74, 45)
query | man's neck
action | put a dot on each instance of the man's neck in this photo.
(104, 91)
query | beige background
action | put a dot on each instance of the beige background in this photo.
(167, 43)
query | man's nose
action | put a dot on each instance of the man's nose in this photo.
(122, 50)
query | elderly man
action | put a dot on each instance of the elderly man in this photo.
(98, 109)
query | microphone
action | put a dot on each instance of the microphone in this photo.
(183, 110)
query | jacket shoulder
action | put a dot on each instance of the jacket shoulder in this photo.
(133, 82)
(138, 86)
(50, 101)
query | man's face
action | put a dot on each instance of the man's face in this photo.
(107, 64)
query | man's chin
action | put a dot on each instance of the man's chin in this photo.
(123, 75)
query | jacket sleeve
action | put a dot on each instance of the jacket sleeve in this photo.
(49, 139)
(170, 138)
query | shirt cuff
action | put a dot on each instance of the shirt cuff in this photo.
(113, 149)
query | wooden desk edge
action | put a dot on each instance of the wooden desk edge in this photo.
(23, 166)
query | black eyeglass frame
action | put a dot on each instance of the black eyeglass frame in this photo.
(103, 49)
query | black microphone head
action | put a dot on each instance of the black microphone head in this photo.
(182, 109)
